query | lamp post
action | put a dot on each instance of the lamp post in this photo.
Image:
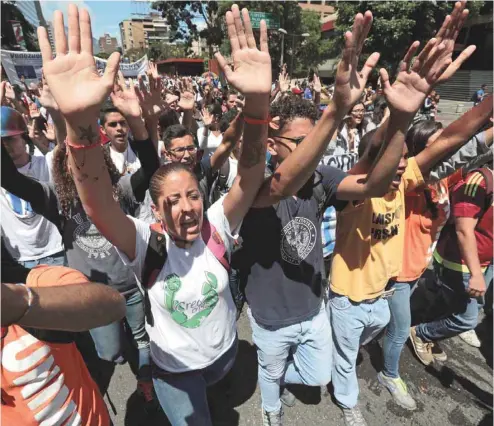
(293, 36)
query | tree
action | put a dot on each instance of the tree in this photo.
(166, 50)
(314, 50)
(10, 12)
(396, 25)
(181, 15)
(103, 55)
(289, 15)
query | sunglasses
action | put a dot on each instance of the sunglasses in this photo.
(296, 141)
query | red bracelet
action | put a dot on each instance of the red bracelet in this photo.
(82, 147)
(250, 120)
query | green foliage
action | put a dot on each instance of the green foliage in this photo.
(10, 12)
(313, 50)
(165, 51)
(396, 25)
(103, 55)
(180, 15)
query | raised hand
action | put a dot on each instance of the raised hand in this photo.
(72, 76)
(251, 74)
(187, 95)
(284, 80)
(349, 82)
(447, 35)
(49, 132)
(46, 99)
(413, 83)
(124, 97)
(316, 83)
(207, 117)
(151, 101)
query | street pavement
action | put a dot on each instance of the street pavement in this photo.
(457, 392)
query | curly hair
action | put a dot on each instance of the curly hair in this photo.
(291, 106)
(64, 182)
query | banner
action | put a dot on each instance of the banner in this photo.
(29, 65)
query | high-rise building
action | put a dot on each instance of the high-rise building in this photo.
(30, 11)
(107, 44)
(143, 33)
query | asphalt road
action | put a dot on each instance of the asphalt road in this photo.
(456, 392)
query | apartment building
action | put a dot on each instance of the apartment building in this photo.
(142, 33)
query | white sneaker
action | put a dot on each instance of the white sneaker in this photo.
(470, 338)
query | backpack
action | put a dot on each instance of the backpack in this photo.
(219, 187)
(156, 256)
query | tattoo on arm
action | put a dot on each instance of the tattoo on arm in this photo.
(251, 154)
(88, 134)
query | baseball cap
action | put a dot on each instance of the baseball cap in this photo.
(12, 122)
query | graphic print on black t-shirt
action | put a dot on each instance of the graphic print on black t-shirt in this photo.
(89, 239)
(298, 238)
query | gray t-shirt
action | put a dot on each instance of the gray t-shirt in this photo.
(86, 249)
(281, 259)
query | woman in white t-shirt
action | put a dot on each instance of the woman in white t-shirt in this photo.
(191, 315)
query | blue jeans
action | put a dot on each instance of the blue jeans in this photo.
(57, 259)
(354, 324)
(109, 338)
(398, 329)
(310, 343)
(183, 395)
(465, 309)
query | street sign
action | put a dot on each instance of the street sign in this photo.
(272, 21)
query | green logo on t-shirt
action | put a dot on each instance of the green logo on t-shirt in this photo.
(199, 309)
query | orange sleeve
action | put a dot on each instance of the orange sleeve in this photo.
(50, 276)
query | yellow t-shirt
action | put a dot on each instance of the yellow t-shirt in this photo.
(369, 241)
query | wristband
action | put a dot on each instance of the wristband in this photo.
(83, 147)
(255, 121)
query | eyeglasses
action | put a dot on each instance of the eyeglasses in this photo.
(179, 152)
(358, 112)
(296, 141)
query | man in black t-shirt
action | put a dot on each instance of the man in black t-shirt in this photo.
(281, 260)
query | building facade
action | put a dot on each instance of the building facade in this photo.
(143, 33)
(107, 44)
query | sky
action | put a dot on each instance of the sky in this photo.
(105, 15)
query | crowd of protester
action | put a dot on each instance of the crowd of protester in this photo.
(152, 212)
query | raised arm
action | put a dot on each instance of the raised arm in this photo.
(79, 92)
(455, 135)
(77, 307)
(42, 199)
(252, 78)
(446, 37)
(230, 138)
(46, 99)
(295, 170)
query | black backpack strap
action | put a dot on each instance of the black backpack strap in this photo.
(489, 178)
(223, 174)
(154, 261)
(319, 193)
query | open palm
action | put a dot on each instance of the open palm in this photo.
(251, 74)
(72, 76)
(349, 82)
(124, 97)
